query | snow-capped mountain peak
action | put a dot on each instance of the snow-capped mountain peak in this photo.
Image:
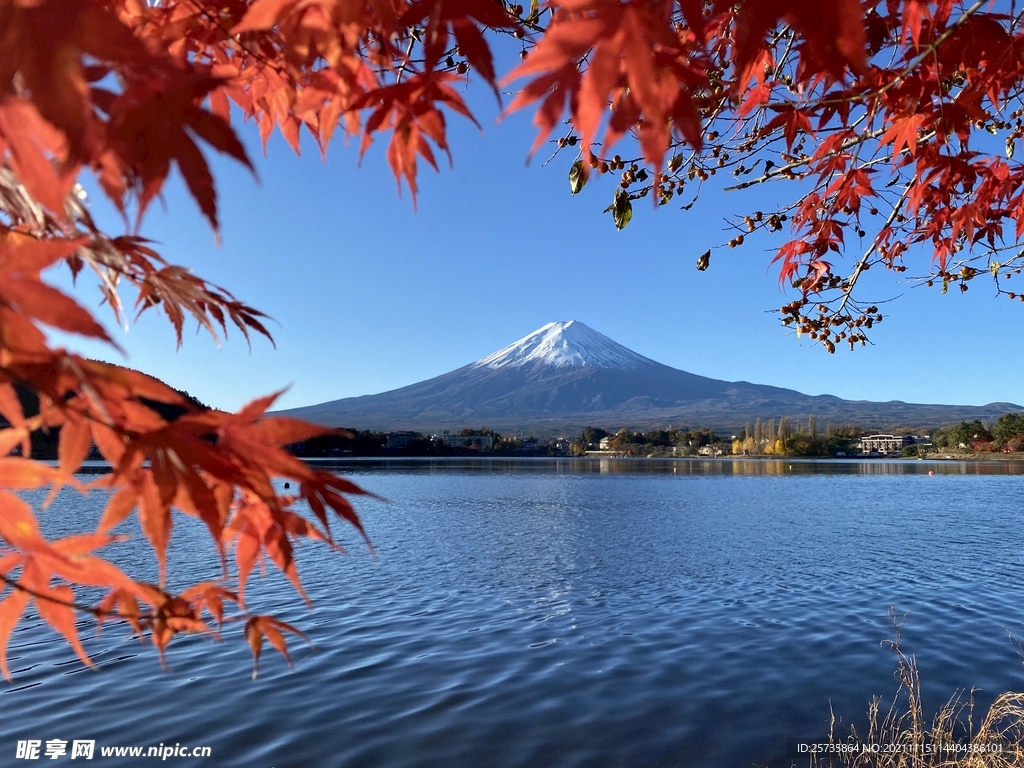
(568, 344)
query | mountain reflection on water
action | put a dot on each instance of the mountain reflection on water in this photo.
(598, 612)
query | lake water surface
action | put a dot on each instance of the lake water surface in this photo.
(571, 613)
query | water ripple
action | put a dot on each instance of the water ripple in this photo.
(654, 613)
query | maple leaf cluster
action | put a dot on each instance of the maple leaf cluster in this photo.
(216, 467)
(896, 120)
(882, 113)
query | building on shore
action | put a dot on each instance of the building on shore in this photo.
(480, 442)
(885, 444)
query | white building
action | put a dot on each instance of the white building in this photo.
(885, 444)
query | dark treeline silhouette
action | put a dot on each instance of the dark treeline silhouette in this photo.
(45, 441)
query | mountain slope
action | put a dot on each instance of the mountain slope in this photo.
(565, 376)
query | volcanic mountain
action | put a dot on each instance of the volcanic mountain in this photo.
(566, 375)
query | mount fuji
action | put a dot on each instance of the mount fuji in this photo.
(565, 376)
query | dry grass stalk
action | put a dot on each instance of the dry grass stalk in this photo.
(902, 738)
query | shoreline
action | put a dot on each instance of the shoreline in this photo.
(976, 458)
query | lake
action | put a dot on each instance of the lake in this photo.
(570, 613)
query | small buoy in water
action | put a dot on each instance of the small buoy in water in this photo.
(289, 485)
(931, 472)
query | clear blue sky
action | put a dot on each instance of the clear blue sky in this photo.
(368, 294)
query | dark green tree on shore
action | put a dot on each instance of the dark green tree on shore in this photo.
(1008, 426)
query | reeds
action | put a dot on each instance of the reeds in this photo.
(901, 737)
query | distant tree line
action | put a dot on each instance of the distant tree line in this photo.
(766, 438)
(344, 442)
(1005, 436)
(656, 442)
(771, 437)
(782, 437)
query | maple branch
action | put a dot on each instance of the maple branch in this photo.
(143, 619)
(18, 204)
(774, 172)
(784, 58)
(862, 263)
(67, 604)
(781, 170)
(405, 61)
